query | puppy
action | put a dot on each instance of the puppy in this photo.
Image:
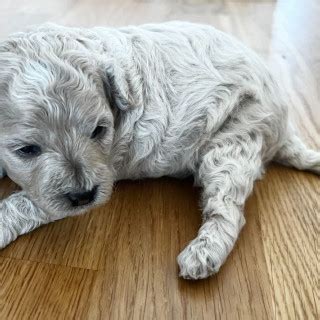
(83, 108)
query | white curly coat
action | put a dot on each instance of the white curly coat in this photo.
(178, 99)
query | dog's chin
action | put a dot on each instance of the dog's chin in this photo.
(71, 211)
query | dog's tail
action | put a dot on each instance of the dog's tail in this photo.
(294, 153)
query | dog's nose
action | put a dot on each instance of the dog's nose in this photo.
(82, 198)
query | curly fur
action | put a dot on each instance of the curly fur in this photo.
(176, 99)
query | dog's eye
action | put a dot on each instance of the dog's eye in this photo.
(29, 151)
(98, 132)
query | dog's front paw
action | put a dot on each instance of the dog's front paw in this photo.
(200, 259)
(7, 235)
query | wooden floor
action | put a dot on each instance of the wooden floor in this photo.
(119, 261)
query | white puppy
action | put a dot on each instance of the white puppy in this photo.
(82, 108)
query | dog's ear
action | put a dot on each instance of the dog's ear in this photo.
(119, 87)
(9, 65)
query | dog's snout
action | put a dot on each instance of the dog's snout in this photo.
(82, 198)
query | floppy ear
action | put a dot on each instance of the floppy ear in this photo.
(9, 66)
(120, 89)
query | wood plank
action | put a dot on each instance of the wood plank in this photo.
(31, 290)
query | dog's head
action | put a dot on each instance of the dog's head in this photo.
(57, 122)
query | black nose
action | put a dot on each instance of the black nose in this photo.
(82, 198)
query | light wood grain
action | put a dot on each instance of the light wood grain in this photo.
(119, 261)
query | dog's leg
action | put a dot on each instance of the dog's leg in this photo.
(227, 174)
(18, 215)
(294, 153)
